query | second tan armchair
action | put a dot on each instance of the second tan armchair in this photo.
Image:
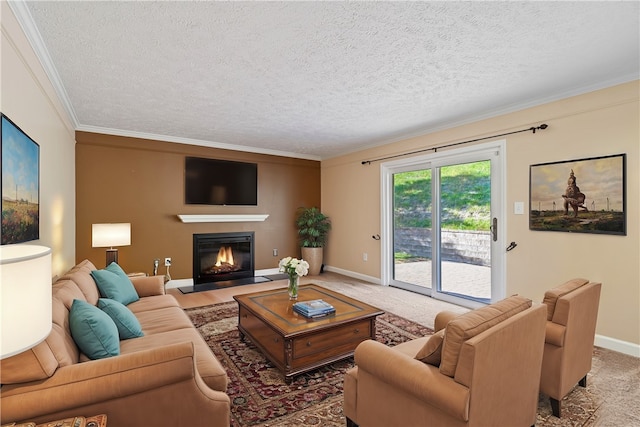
(572, 312)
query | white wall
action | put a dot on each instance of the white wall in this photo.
(29, 100)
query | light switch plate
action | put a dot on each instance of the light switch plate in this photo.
(518, 208)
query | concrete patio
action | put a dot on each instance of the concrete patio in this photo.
(457, 277)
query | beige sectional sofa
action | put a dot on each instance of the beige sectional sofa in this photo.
(169, 376)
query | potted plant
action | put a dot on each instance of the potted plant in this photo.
(313, 228)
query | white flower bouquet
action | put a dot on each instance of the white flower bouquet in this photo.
(294, 266)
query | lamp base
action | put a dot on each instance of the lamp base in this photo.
(112, 256)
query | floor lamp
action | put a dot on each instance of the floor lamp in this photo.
(25, 297)
(110, 235)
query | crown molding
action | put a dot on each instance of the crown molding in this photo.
(190, 141)
(23, 15)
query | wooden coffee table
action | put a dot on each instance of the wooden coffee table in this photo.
(296, 344)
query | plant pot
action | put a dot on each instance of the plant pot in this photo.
(314, 257)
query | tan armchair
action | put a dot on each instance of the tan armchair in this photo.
(572, 312)
(482, 369)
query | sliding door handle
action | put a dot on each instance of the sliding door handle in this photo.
(494, 229)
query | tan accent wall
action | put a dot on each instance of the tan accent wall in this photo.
(29, 100)
(122, 179)
(600, 123)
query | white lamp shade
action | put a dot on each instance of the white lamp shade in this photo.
(110, 235)
(25, 297)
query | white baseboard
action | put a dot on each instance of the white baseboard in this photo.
(353, 274)
(178, 283)
(617, 345)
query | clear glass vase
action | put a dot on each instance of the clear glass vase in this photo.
(294, 282)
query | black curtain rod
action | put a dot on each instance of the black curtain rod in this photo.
(435, 149)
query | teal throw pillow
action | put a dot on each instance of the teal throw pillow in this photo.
(93, 330)
(126, 322)
(113, 283)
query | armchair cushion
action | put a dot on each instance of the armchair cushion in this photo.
(554, 334)
(113, 283)
(551, 296)
(470, 324)
(93, 330)
(126, 322)
(431, 352)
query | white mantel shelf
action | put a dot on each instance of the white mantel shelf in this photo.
(223, 218)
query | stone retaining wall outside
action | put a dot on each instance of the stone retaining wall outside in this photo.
(471, 247)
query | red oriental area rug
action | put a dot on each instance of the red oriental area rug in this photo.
(258, 392)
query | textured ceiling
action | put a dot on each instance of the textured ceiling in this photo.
(319, 79)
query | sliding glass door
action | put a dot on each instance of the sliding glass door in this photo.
(412, 249)
(463, 235)
(442, 225)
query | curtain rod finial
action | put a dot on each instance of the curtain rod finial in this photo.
(542, 126)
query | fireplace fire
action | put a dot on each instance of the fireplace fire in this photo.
(221, 257)
(224, 262)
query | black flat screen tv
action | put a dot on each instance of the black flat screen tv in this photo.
(220, 182)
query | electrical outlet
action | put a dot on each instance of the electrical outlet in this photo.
(167, 262)
(364, 256)
(275, 252)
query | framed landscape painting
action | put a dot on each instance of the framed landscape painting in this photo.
(582, 196)
(20, 185)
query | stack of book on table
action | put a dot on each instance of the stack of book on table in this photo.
(313, 308)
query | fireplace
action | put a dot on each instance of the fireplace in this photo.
(222, 258)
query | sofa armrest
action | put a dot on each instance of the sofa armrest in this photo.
(113, 384)
(413, 377)
(147, 286)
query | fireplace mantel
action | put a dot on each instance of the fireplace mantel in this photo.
(223, 218)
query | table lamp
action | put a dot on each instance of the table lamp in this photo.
(25, 297)
(110, 235)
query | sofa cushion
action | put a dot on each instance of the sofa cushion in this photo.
(126, 322)
(93, 330)
(552, 295)
(163, 320)
(209, 368)
(81, 275)
(431, 352)
(65, 349)
(152, 303)
(65, 292)
(37, 363)
(113, 283)
(470, 324)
